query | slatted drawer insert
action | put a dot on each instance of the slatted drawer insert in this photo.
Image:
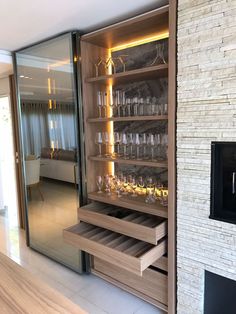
(128, 253)
(139, 225)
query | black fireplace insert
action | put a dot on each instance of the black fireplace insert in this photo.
(219, 295)
(223, 181)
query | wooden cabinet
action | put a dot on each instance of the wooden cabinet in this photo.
(131, 242)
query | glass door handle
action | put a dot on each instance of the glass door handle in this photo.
(233, 183)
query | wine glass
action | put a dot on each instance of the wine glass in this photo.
(99, 141)
(134, 186)
(141, 184)
(125, 184)
(99, 102)
(150, 191)
(119, 101)
(141, 107)
(97, 65)
(131, 143)
(135, 106)
(118, 185)
(158, 144)
(128, 105)
(124, 142)
(123, 60)
(99, 181)
(104, 103)
(106, 142)
(108, 180)
(144, 145)
(117, 141)
(137, 144)
(151, 144)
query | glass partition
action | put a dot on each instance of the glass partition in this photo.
(46, 85)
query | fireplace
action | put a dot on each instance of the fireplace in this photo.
(223, 181)
(219, 295)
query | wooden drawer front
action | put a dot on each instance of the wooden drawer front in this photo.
(152, 283)
(138, 225)
(120, 250)
(161, 263)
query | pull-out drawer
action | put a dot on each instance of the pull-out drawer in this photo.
(152, 284)
(128, 253)
(138, 225)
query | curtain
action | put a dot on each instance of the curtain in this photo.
(44, 127)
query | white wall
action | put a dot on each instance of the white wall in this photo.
(206, 112)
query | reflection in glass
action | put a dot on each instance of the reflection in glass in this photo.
(49, 128)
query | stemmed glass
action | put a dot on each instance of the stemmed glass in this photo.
(141, 107)
(106, 141)
(131, 143)
(117, 141)
(104, 103)
(124, 142)
(144, 145)
(135, 106)
(99, 102)
(99, 141)
(140, 184)
(99, 182)
(120, 99)
(137, 144)
(134, 186)
(164, 142)
(128, 105)
(122, 61)
(108, 180)
(151, 144)
(158, 144)
(96, 65)
(150, 191)
(159, 58)
(125, 185)
(118, 186)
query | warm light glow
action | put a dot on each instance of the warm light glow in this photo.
(50, 104)
(142, 41)
(49, 87)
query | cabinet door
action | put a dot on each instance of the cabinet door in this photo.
(47, 79)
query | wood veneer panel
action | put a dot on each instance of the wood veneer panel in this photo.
(172, 159)
(138, 204)
(133, 118)
(146, 73)
(151, 23)
(137, 225)
(21, 292)
(159, 164)
(152, 284)
(108, 252)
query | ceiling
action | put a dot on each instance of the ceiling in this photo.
(25, 22)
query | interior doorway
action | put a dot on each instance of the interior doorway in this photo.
(8, 188)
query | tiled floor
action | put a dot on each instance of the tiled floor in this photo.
(90, 292)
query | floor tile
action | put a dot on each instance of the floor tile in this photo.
(87, 305)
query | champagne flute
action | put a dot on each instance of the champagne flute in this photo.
(99, 182)
(118, 186)
(158, 144)
(144, 145)
(99, 103)
(105, 136)
(99, 141)
(124, 142)
(117, 141)
(131, 143)
(137, 144)
(104, 103)
(151, 144)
